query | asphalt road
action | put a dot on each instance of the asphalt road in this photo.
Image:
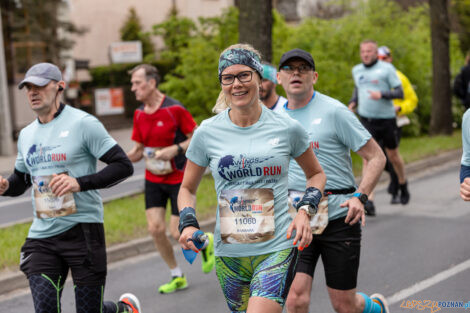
(416, 252)
(19, 209)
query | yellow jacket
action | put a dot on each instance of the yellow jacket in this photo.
(410, 99)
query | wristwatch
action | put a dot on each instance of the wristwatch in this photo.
(311, 211)
(361, 196)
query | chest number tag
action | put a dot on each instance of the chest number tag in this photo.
(246, 215)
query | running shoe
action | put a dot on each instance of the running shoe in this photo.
(132, 302)
(208, 257)
(176, 283)
(405, 194)
(395, 199)
(369, 207)
(380, 300)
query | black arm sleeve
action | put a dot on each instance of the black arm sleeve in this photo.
(118, 169)
(395, 93)
(19, 182)
(354, 96)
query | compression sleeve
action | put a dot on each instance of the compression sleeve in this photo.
(19, 182)
(464, 172)
(118, 168)
(354, 96)
(395, 93)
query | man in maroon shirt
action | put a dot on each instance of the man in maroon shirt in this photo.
(162, 132)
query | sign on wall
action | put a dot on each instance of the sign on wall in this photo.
(126, 52)
(109, 101)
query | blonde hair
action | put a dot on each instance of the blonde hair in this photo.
(222, 104)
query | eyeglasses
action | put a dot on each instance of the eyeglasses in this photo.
(289, 69)
(243, 77)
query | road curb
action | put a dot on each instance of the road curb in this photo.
(11, 281)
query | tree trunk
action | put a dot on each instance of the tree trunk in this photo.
(441, 113)
(255, 24)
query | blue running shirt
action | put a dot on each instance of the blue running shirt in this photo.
(466, 139)
(72, 142)
(249, 166)
(381, 76)
(333, 132)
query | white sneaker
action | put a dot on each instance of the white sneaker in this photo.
(131, 301)
(380, 300)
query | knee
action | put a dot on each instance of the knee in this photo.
(344, 307)
(157, 230)
(297, 301)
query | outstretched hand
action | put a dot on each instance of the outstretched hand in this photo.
(303, 232)
(4, 185)
(185, 239)
(356, 211)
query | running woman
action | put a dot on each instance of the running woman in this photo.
(57, 156)
(248, 147)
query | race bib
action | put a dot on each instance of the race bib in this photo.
(157, 167)
(48, 204)
(246, 215)
(320, 220)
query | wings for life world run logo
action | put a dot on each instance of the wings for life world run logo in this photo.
(38, 154)
(231, 167)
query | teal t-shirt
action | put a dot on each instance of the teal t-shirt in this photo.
(466, 139)
(250, 170)
(72, 142)
(381, 76)
(333, 131)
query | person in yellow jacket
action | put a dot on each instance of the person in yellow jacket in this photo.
(402, 107)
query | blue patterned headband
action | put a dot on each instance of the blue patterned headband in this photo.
(240, 56)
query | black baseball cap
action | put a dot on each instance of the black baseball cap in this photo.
(298, 54)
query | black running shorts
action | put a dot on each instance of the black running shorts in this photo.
(339, 247)
(81, 248)
(384, 131)
(157, 195)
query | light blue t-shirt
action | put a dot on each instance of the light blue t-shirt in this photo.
(333, 131)
(381, 76)
(466, 139)
(254, 158)
(72, 142)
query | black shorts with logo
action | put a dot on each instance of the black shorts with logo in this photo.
(81, 248)
(339, 247)
(383, 130)
(157, 195)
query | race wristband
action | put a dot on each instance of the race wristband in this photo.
(187, 218)
(311, 198)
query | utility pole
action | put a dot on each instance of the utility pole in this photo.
(6, 139)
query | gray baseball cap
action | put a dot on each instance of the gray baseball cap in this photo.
(41, 74)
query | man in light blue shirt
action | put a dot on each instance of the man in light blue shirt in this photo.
(376, 84)
(57, 155)
(465, 162)
(333, 132)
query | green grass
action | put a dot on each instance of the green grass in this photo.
(124, 219)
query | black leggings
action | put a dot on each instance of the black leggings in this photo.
(47, 291)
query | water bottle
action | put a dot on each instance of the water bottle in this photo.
(200, 240)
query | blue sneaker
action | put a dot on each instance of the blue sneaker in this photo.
(380, 300)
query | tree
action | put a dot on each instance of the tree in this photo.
(441, 112)
(132, 30)
(255, 25)
(461, 10)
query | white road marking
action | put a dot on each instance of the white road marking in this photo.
(424, 284)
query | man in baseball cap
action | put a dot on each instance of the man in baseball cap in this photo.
(333, 131)
(41, 74)
(267, 90)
